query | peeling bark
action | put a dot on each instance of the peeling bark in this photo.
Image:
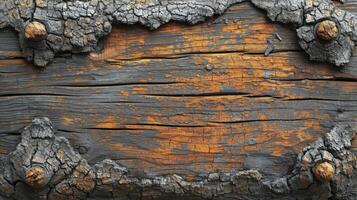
(78, 25)
(45, 166)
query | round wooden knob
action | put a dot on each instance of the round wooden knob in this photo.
(36, 177)
(35, 31)
(324, 171)
(327, 30)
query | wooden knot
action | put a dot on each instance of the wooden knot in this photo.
(324, 171)
(36, 177)
(327, 30)
(35, 31)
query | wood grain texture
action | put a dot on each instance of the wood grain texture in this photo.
(182, 99)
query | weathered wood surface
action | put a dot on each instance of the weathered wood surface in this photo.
(183, 99)
(44, 166)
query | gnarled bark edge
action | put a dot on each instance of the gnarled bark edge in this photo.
(333, 44)
(49, 27)
(45, 166)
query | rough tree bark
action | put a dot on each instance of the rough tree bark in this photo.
(78, 25)
(198, 108)
(47, 166)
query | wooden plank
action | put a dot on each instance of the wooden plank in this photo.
(241, 29)
(9, 44)
(183, 99)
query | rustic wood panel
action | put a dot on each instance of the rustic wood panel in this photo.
(183, 99)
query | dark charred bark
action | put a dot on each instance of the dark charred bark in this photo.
(45, 166)
(78, 25)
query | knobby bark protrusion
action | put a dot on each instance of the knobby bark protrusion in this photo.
(325, 32)
(35, 31)
(36, 177)
(45, 166)
(78, 25)
(324, 171)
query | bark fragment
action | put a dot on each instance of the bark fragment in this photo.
(78, 25)
(325, 32)
(45, 166)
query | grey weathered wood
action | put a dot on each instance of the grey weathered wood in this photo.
(44, 166)
(170, 113)
(92, 95)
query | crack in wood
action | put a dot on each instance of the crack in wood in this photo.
(45, 166)
(50, 27)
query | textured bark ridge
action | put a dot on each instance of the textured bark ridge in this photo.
(48, 27)
(45, 166)
(77, 25)
(310, 17)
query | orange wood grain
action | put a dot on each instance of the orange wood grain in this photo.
(184, 99)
